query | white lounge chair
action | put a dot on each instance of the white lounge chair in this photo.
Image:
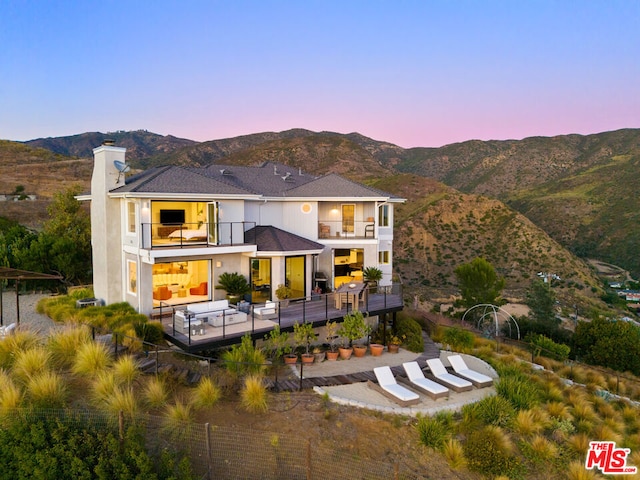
(7, 329)
(460, 367)
(418, 380)
(267, 312)
(441, 375)
(388, 386)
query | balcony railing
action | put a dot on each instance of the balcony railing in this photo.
(158, 235)
(337, 229)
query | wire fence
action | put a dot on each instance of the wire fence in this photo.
(216, 452)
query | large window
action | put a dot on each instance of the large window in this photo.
(348, 218)
(383, 215)
(132, 277)
(131, 217)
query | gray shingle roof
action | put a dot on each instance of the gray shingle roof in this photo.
(272, 239)
(269, 179)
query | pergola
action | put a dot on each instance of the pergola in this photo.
(17, 275)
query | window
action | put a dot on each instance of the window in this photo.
(383, 215)
(131, 217)
(132, 277)
(383, 257)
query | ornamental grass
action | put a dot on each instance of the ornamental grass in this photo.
(125, 370)
(92, 359)
(576, 471)
(206, 394)
(46, 390)
(543, 449)
(123, 400)
(253, 395)
(154, 393)
(17, 342)
(103, 387)
(453, 452)
(63, 344)
(10, 394)
(30, 362)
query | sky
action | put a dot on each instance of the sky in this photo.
(421, 73)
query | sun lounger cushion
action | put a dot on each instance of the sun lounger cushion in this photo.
(387, 382)
(417, 378)
(460, 367)
(441, 375)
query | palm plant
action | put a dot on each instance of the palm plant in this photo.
(235, 284)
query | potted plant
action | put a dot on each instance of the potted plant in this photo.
(318, 354)
(394, 344)
(331, 330)
(303, 334)
(284, 294)
(352, 328)
(276, 343)
(235, 284)
(372, 275)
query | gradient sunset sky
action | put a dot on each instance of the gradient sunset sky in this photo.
(414, 73)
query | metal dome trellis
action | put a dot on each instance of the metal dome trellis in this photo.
(489, 321)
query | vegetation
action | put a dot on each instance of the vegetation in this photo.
(235, 284)
(304, 335)
(283, 292)
(353, 327)
(479, 283)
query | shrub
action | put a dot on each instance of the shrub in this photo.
(123, 400)
(494, 410)
(91, 359)
(244, 358)
(542, 345)
(63, 344)
(46, 390)
(253, 395)
(206, 394)
(453, 451)
(432, 432)
(125, 370)
(155, 393)
(30, 362)
(489, 451)
(518, 389)
(460, 340)
(10, 394)
(412, 332)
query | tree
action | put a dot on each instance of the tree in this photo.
(478, 283)
(542, 303)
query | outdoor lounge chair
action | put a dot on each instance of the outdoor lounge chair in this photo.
(441, 375)
(7, 329)
(460, 367)
(388, 386)
(418, 380)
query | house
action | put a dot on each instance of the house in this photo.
(163, 237)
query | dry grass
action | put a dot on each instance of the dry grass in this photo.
(11, 345)
(122, 400)
(125, 370)
(10, 394)
(576, 471)
(103, 387)
(206, 394)
(92, 359)
(253, 395)
(178, 414)
(155, 393)
(46, 390)
(30, 362)
(454, 454)
(527, 424)
(558, 410)
(579, 444)
(63, 344)
(604, 432)
(543, 449)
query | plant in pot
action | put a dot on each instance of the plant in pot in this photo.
(303, 334)
(331, 330)
(394, 344)
(284, 294)
(276, 344)
(353, 328)
(319, 354)
(235, 284)
(372, 275)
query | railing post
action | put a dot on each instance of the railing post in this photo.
(301, 372)
(208, 444)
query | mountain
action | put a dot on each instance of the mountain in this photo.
(139, 144)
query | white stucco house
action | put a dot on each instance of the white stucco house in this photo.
(164, 236)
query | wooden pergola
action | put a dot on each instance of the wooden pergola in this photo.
(16, 275)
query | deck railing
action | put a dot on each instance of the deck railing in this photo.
(158, 235)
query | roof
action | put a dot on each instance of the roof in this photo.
(272, 239)
(268, 180)
(15, 274)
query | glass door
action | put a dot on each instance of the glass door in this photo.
(260, 280)
(212, 219)
(348, 219)
(295, 275)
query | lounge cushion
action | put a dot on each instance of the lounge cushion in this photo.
(417, 378)
(460, 367)
(387, 382)
(442, 376)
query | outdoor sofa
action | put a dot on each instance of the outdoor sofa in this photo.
(215, 313)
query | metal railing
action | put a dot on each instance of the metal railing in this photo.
(158, 235)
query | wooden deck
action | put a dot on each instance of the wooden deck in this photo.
(316, 312)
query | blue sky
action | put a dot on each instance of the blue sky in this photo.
(413, 73)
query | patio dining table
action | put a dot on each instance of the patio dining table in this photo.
(350, 293)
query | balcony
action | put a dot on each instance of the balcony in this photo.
(336, 230)
(316, 310)
(159, 235)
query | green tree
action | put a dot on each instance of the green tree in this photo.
(478, 282)
(541, 300)
(64, 245)
(612, 344)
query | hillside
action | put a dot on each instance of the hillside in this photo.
(440, 228)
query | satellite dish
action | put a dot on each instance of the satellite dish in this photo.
(121, 167)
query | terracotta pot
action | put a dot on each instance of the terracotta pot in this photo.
(332, 356)
(345, 352)
(359, 350)
(393, 348)
(319, 357)
(290, 359)
(307, 358)
(376, 349)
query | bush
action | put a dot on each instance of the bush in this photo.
(542, 345)
(460, 340)
(494, 410)
(432, 431)
(489, 451)
(412, 332)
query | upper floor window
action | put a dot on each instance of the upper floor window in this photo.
(383, 215)
(384, 257)
(131, 217)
